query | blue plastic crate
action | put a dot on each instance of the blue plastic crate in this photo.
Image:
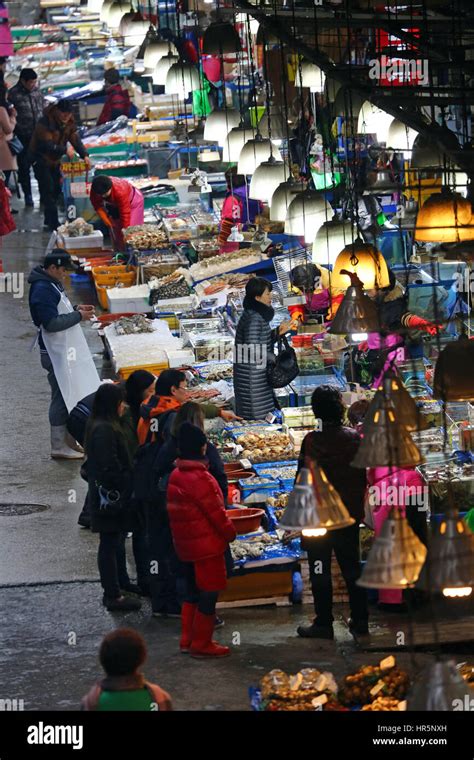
(247, 489)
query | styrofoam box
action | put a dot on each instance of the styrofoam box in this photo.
(136, 300)
(96, 240)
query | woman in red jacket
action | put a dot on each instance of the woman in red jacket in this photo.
(118, 203)
(201, 533)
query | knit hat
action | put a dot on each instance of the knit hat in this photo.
(191, 439)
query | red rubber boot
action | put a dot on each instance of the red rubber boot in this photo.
(188, 612)
(202, 645)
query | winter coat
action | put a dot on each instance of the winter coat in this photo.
(44, 296)
(161, 410)
(7, 223)
(198, 519)
(51, 137)
(7, 127)
(30, 107)
(117, 103)
(168, 453)
(254, 342)
(333, 449)
(117, 205)
(122, 692)
(109, 464)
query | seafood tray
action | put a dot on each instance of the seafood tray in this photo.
(213, 371)
(283, 472)
(266, 447)
(205, 249)
(145, 237)
(258, 485)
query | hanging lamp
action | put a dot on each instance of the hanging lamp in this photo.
(330, 239)
(279, 125)
(426, 154)
(116, 12)
(386, 443)
(400, 137)
(133, 29)
(181, 79)
(348, 104)
(445, 217)
(449, 568)
(282, 197)
(266, 178)
(162, 67)
(366, 262)
(393, 389)
(221, 38)
(396, 557)
(256, 151)
(333, 513)
(234, 142)
(104, 10)
(301, 513)
(439, 688)
(155, 50)
(219, 123)
(306, 213)
(454, 371)
(310, 75)
(357, 313)
(373, 120)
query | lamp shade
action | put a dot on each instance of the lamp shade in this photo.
(347, 103)
(181, 79)
(393, 389)
(445, 218)
(400, 137)
(373, 120)
(156, 50)
(104, 10)
(116, 12)
(449, 568)
(254, 152)
(330, 239)
(386, 443)
(310, 75)
(219, 123)
(301, 512)
(282, 197)
(454, 371)
(279, 125)
(306, 213)
(396, 557)
(265, 179)
(426, 154)
(357, 313)
(133, 29)
(366, 262)
(333, 513)
(439, 688)
(162, 67)
(235, 141)
(221, 37)
(94, 6)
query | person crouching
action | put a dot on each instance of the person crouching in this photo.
(201, 533)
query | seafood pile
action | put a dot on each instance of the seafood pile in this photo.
(225, 262)
(307, 690)
(206, 248)
(170, 286)
(466, 671)
(132, 325)
(202, 394)
(372, 681)
(217, 371)
(235, 281)
(251, 549)
(145, 237)
(270, 447)
(78, 228)
(285, 473)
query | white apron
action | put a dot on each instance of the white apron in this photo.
(71, 358)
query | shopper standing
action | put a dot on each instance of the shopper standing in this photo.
(333, 447)
(30, 104)
(119, 205)
(53, 133)
(117, 102)
(8, 162)
(201, 533)
(109, 474)
(63, 348)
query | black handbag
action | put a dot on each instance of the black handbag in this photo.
(111, 502)
(284, 367)
(16, 146)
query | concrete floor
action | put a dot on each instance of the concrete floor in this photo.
(48, 575)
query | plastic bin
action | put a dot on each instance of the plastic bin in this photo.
(96, 240)
(155, 369)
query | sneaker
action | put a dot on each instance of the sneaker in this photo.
(360, 628)
(123, 604)
(314, 631)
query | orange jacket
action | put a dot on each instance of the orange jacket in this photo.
(120, 197)
(150, 410)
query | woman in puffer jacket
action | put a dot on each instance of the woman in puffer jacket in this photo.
(201, 533)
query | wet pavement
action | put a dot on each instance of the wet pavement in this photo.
(51, 616)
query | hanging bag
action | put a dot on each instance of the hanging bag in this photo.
(283, 368)
(16, 146)
(111, 502)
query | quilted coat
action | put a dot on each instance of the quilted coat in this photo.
(120, 198)
(30, 106)
(198, 519)
(254, 342)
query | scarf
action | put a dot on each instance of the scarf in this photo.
(267, 312)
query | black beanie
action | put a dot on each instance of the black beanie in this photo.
(191, 439)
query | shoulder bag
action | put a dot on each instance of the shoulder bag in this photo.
(284, 367)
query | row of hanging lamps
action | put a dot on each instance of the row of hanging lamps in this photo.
(306, 213)
(396, 557)
(181, 79)
(364, 260)
(266, 178)
(162, 68)
(373, 120)
(255, 151)
(221, 37)
(234, 142)
(400, 137)
(450, 565)
(310, 75)
(282, 197)
(314, 506)
(330, 239)
(357, 313)
(219, 123)
(445, 217)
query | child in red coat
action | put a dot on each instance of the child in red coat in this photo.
(201, 533)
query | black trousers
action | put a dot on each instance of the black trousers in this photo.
(24, 169)
(205, 600)
(111, 559)
(49, 181)
(163, 562)
(345, 544)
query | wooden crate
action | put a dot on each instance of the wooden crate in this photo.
(262, 588)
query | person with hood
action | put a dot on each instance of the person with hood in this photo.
(53, 133)
(30, 104)
(63, 349)
(201, 533)
(118, 204)
(254, 346)
(117, 101)
(237, 208)
(333, 447)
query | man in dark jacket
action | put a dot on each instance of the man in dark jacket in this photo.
(117, 102)
(30, 104)
(47, 285)
(333, 448)
(53, 132)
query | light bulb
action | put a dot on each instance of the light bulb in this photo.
(314, 532)
(453, 593)
(359, 337)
